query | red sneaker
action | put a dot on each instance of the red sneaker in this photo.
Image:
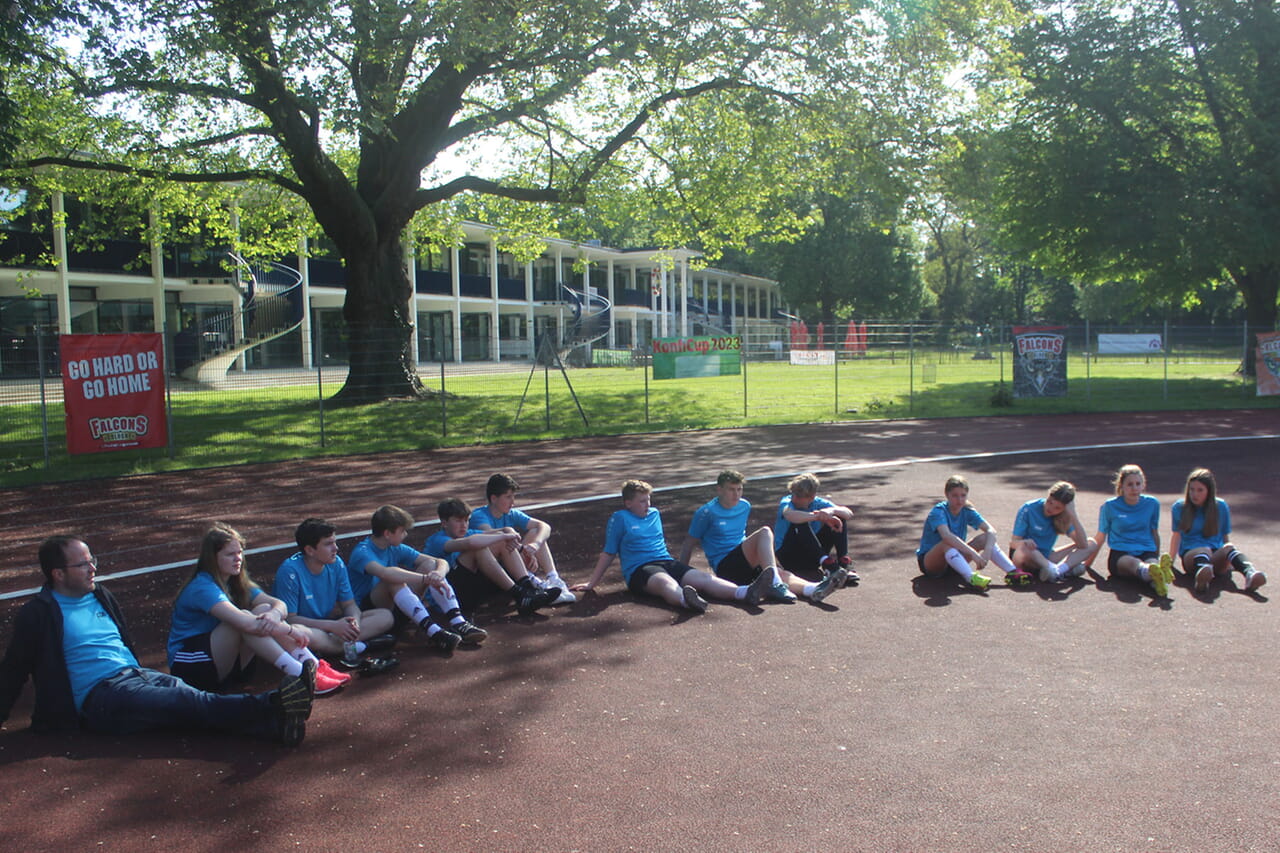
(330, 677)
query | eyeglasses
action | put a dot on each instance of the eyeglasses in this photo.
(92, 561)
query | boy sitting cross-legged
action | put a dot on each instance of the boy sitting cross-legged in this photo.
(484, 562)
(385, 572)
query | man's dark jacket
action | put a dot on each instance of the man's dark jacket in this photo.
(35, 651)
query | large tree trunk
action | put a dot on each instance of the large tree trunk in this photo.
(1260, 286)
(379, 326)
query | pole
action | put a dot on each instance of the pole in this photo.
(44, 404)
(444, 402)
(320, 377)
(1167, 347)
(911, 367)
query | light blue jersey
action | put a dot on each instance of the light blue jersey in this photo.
(91, 644)
(957, 524)
(720, 530)
(781, 525)
(1130, 529)
(635, 540)
(1195, 538)
(362, 583)
(191, 616)
(435, 546)
(1031, 523)
(481, 517)
(312, 596)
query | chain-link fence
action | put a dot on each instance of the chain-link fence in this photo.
(268, 406)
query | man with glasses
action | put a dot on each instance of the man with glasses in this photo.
(71, 639)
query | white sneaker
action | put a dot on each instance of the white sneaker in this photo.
(566, 597)
(1049, 574)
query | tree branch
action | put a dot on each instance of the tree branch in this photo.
(164, 174)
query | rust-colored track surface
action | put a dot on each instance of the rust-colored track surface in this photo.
(903, 714)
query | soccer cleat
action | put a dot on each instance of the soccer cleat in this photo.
(1204, 577)
(693, 601)
(471, 635)
(978, 581)
(1161, 575)
(445, 640)
(290, 706)
(1049, 574)
(779, 592)
(1253, 578)
(328, 675)
(759, 588)
(1018, 577)
(828, 585)
(309, 676)
(380, 643)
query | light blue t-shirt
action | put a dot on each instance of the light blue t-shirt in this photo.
(957, 524)
(312, 596)
(781, 525)
(1195, 538)
(436, 542)
(515, 519)
(1131, 529)
(635, 540)
(362, 583)
(1031, 523)
(91, 644)
(191, 616)
(720, 530)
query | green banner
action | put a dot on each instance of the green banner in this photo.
(682, 358)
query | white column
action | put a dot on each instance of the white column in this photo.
(411, 272)
(304, 267)
(495, 332)
(684, 297)
(64, 271)
(455, 276)
(612, 297)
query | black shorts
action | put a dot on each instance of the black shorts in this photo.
(193, 663)
(471, 588)
(736, 568)
(1114, 556)
(640, 577)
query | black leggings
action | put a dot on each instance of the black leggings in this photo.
(801, 550)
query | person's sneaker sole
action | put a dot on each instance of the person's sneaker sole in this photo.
(759, 588)
(828, 585)
(1019, 577)
(565, 597)
(309, 673)
(1204, 577)
(693, 601)
(1255, 580)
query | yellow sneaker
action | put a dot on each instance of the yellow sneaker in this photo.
(979, 581)
(1162, 575)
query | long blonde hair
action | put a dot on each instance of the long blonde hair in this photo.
(1064, 493)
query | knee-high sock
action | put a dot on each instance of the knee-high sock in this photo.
(957, 561)
(410, 605)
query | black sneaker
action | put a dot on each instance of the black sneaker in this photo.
(308, 676)
(470, 634)
(445, 640)
(759, 588)
(291, 705)
(380, 643)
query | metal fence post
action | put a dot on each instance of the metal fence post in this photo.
(44, 404)
(1168, 345)
(1088, 371)
(320, 377)
(742, 359)
(911, 367)
(168, 385)
(444, 403)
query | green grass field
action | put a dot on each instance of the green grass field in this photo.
(234, 427)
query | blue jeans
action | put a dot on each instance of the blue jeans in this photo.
(135, 700)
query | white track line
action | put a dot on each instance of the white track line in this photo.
(857, 466)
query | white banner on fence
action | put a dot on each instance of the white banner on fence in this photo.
(813, 356)
(1140, 344)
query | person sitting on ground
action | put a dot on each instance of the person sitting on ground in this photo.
(1130, 524)
(386, 573)
(942, 543)
(1201, 525)
(484, 562)
(222, 620)
(719, 527)
(499, 512)
(635, 536)
(808, 529)
(1035, 533)
(71, 639)
(316, 590)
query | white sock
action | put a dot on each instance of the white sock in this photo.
(446, 600)
(777, 578)
(808, 590)
(740, 593)
(288, 664)
(1063, 569)
(360, 647)
(957, 561)
(1001, 559)
(1145, 573)
(410, 605)
(303, 655)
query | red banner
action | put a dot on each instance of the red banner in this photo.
(1267, 363)
(113, 391)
